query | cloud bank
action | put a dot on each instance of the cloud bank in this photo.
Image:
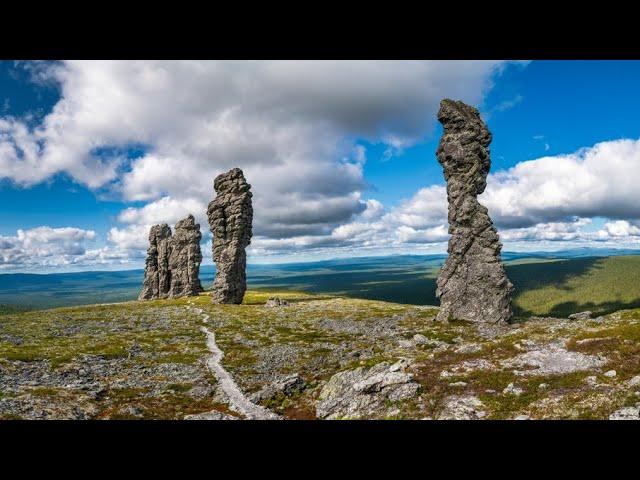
(294, 128)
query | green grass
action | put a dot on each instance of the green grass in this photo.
(62, 335)
(9, 309)
(602, 285)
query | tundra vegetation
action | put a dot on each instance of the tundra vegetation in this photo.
(148, 360)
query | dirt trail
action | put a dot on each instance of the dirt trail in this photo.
(237, 398)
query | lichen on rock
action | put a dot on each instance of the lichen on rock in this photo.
(472, 284)
(365, 392)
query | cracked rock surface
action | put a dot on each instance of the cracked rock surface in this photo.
(364, 391)
(185, 258)
(157, 275)
(230, 217)
(472, 284)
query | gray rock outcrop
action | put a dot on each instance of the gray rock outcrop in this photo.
(365, 392)
(230, 217)
(283, 387)
(213, 415)
(462, 407)
(472, 284)
(185, 258)
(626, 413)
(552, 359)
(157, 275)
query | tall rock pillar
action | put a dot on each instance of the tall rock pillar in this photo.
(157, 275)
(472, 284)
(185, 258)
(230, 217)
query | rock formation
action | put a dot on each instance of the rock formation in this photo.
(230, 216)
(185, 258)
(365, 392)
(472, 284)
(157, 275)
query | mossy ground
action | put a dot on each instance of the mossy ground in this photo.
(148, 341)
(316, 337)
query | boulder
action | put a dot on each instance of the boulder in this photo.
(285, 387)
(581, 316)
(627, 413)
(462, 407)
(276, 302)
(365, 392)
(213, 415)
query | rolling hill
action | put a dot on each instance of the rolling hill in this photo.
(545, 284)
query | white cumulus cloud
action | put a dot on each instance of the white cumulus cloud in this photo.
(292, 126)
(44, 247)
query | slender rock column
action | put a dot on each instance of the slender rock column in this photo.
(472, 284)
(230, 217)
(157, 275)
(185, 258)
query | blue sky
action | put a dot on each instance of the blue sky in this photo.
(570, 104)
(340, 155)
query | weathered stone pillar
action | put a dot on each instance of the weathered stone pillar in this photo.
(472, 284)
(157, 275)
(185, 258)
(230, 217)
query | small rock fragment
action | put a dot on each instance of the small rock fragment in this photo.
(458, 384)
(469, 348)
(627, 413)
(400, 365)
(276, 302)
(420, 339)
(634, 382)
(511, 389)
(581, 316)
(210, 416)
(286, 386)
(462, 408)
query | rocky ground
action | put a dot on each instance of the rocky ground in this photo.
(313, 357)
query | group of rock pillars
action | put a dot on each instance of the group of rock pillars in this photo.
(471, 286)
(172, 266)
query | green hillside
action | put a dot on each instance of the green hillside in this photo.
(559, 288)
(544, 286)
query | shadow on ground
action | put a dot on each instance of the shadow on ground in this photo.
(529, 276)
(556, 275)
